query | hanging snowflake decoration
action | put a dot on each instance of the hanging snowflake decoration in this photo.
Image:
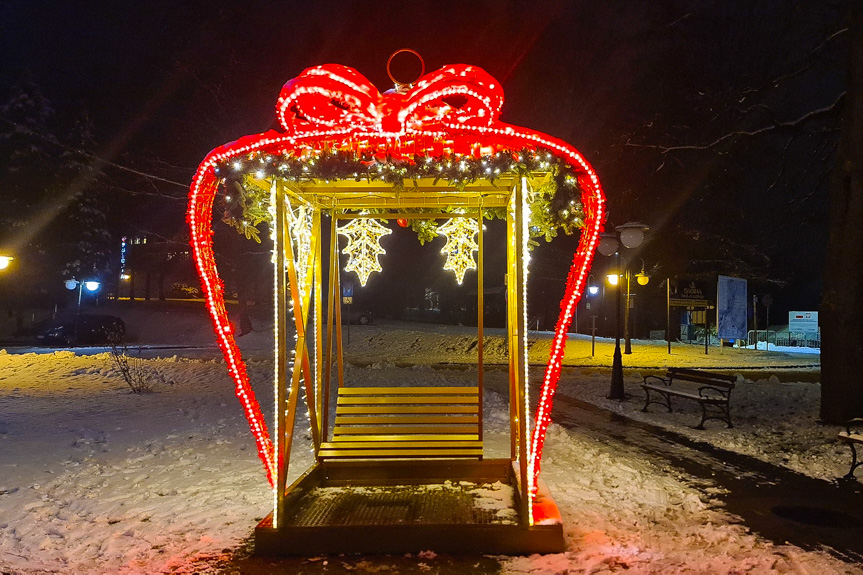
(460, 245)
(364, 236)
(300, 226)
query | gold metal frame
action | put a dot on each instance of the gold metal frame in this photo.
(311, 370)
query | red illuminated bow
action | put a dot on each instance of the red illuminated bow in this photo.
(341, 99)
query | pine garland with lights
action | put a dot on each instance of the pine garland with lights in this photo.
(555, 206)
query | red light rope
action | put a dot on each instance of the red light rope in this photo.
(336, 105)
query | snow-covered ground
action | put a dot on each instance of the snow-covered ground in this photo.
(95, 479)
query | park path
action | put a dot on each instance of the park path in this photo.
(774, 502)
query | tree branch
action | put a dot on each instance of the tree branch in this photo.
(803, 68)
(747, 133)
(99, 161)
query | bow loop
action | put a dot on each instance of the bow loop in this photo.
(340, 98)
(332, 95)
(453, 97)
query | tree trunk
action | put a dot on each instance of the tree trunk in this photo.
(842, 302)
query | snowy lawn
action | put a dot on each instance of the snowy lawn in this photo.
(773, 421)
(95, 479)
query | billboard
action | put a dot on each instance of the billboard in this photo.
(731, 302)
(803, 322)
(688, 294)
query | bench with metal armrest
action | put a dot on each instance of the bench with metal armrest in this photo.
(852, 436)
(711, 390)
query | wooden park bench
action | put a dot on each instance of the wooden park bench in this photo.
(711, 390)
(406, 422)
(852, 436)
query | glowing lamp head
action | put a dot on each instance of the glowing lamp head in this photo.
(5, 261)
(642, 278)
(71, 284)
(593, 290)
(613, 279)
(92, 285)
(632, 234)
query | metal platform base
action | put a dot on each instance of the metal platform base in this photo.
(447, 506)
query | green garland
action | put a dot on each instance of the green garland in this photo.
(556, 205)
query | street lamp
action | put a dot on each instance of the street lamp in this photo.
(72, 284)
(630, 235)
(5, 262)
(642, 279)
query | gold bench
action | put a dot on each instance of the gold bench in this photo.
(405, 422)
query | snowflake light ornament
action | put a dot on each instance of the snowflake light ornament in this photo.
(460, 245)
(300, 225)
(364, 247)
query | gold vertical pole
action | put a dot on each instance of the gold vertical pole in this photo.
(314, 305)
(520, 345)
(340, 357)
(319, 318)
(512, 338)
(331, 295)
(480, 304)
(280, 367)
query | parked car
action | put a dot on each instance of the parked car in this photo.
(81, 329)
(356, 317)
(353, 315)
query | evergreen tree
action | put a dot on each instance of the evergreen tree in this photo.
(54, 222)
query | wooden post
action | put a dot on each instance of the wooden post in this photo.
(668, 313)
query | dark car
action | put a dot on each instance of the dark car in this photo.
(81, 329)
(363, 317)
(353, 315)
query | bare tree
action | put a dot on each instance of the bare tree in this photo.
(842, 304)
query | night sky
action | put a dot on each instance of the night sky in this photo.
(165, 82)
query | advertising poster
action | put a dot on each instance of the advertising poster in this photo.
(731, 302)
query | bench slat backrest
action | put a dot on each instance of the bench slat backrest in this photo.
(707, 378)
(405, 422)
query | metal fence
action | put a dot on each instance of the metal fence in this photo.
(787, 339)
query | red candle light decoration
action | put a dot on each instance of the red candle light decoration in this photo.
(336, 108)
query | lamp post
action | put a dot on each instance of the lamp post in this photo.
(91, 285)
(592, 291)
(630, 235)
(642, 279)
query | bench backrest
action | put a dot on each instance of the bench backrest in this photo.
(703, 377)
(406, 422)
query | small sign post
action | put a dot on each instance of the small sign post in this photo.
(348, 299)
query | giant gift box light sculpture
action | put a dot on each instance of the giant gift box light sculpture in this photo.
(333, 107)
